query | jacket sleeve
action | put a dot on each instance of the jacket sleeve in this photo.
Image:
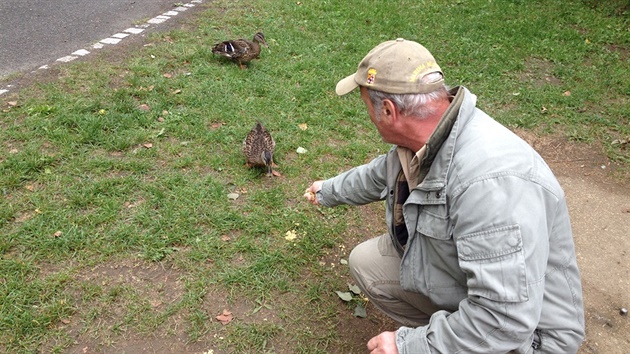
(501, 228)
(361, 185)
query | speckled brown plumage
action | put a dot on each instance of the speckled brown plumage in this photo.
(258, 147)
(241, 50)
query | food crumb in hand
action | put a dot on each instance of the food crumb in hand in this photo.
(309, 195)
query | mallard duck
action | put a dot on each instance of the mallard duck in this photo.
(258, 147)
(241, 50)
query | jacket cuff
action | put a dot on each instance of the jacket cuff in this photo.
(323, 195)
(412, 340)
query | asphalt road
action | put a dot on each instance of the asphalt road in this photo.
(38, 32)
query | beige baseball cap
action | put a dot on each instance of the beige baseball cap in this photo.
(395, 66)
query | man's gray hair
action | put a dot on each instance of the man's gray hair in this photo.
(415, 104)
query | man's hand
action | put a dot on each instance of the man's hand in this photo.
(384, 343)
(309, 194)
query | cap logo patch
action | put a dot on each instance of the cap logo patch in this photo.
(371, 76)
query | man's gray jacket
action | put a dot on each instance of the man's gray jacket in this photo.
(490, 240)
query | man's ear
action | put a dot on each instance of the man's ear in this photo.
(388, 109)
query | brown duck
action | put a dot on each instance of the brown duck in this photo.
(258, 147)
(241, 50)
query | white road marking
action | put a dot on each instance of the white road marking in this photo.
(116, 38)
(134, 30)
(67, 58)
(81, 52)
(110, 40)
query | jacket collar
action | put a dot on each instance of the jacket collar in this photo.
(441, 144)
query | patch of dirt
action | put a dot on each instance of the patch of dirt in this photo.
(539, 73)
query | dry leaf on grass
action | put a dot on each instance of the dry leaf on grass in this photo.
(225, 317)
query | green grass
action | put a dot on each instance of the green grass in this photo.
(81, 188)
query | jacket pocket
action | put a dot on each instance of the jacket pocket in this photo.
(433, 222)
(494, 263)
(430, 265)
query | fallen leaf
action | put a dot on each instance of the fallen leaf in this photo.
(360, 311)
(303, 126)
(343, 261)
(177, 91)
(147, 145)
(29, 187)
(144, 107)
(168, 76)
(12, 103)
(355, 289)
(65, 321)
(58, 233)
(276, 173)
(225, 238)
(216, 125)
(233, 196)
(345, 296)
(225, 317)
(160, 119)
(566, 93)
